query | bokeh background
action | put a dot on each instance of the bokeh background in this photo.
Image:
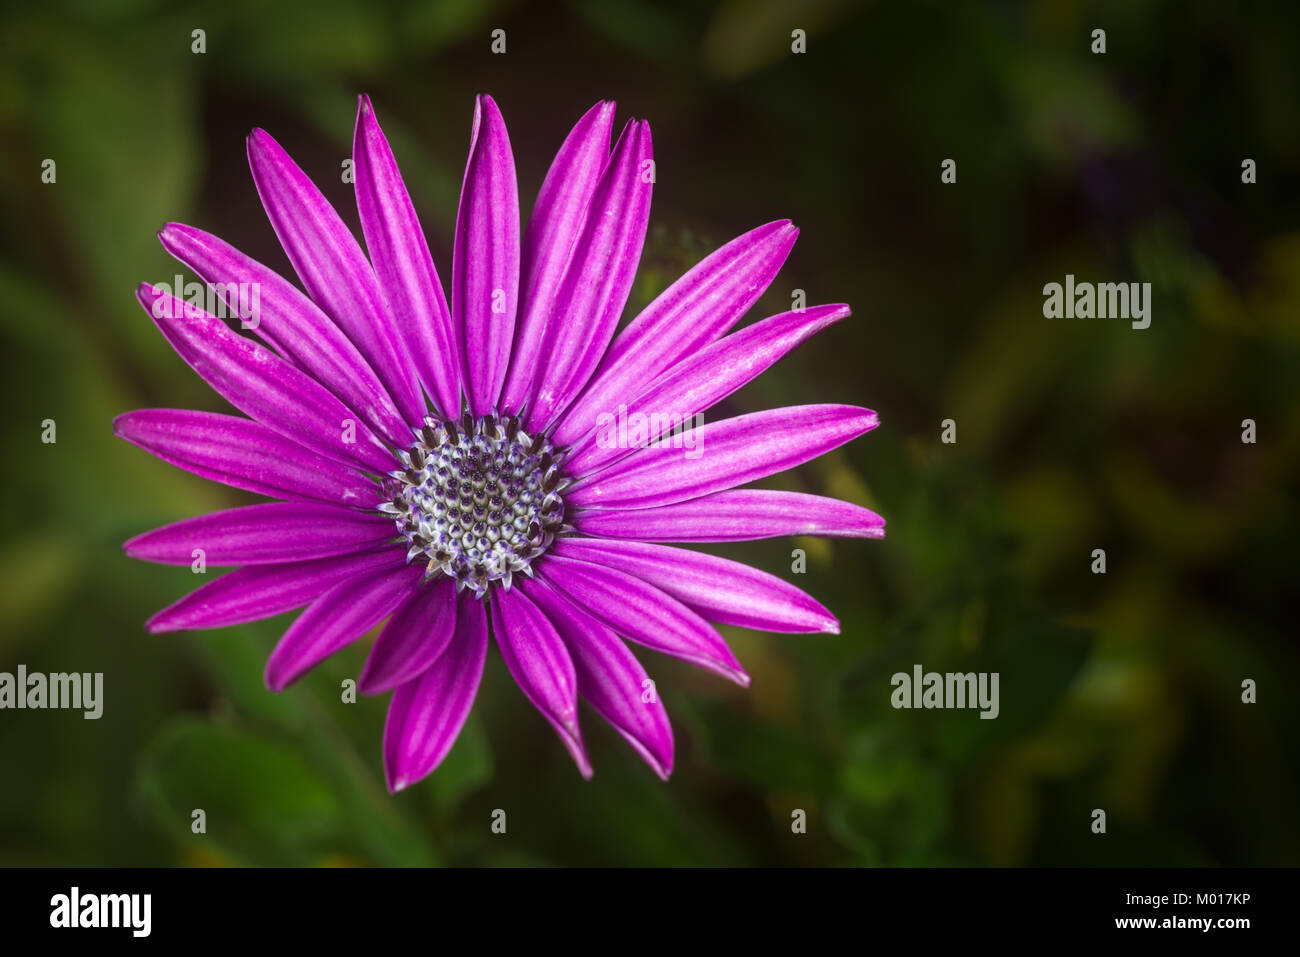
(1119, 691)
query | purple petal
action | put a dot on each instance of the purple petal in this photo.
(723, 591)
(413, 639)
(610, 678)
(689, 314)
(427, 713)
(642, 613)
(339, 616)
(263, 535)
(403, 265)
(553, 230)
(264, 386)
(541, 666)
(599, 278)
(734, 516)
(485, 259)
(333, 268)
(243, 454)
(723, 455)
(260, 591)
(701, 380)
(293, 325)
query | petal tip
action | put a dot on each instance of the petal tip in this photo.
(159, 625)
(369, 683)
(274, 678)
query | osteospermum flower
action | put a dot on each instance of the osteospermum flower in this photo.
(500, 465)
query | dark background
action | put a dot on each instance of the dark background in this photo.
(1119, 691)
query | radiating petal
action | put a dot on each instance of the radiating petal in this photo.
(333, 269)
(264, 386)
(692, 312)
(610, 678)
(242, 454)
(260, 591)
(403, 265)
(485, 259)
(721, 590)
(413, 639)
(339, 616)
(699, 381)
(642, 613)
(721, 455)
(292, 324)
(553, 230)
(263, 535)
(599, 278)
(734, 516)
(541, 666)
(427, 713)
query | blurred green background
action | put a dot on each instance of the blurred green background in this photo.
(1119, 691)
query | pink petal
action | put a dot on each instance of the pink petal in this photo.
(337, 618)
(703, 379)
(427, 713)
(263, 535)
(333, 269)
(642, 613)
(403, 265)
(689, 314)
(260, 591)
(413, 639)
(293, 325)
(725, 454)
(720, 590)
(485, 260)
(734, 516)
(541, 666)
(599, 278)
(243, 454)
(610, 678)
(264, 386)
(553, 230)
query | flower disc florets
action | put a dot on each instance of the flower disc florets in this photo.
(478, 500)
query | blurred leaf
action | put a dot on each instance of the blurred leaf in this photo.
(264, 804)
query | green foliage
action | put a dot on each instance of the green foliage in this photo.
(1119, 691)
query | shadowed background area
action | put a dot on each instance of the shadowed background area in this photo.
(1119, 691)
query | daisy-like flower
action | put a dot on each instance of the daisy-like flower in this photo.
(500, 465)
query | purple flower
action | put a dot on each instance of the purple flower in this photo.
(504, 464)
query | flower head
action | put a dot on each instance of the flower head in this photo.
(505, 465)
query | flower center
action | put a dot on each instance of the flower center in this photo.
(478, 500)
